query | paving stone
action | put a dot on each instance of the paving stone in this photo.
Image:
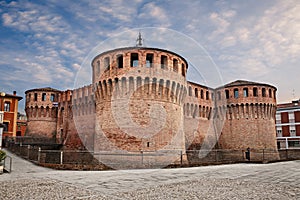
(237, 181)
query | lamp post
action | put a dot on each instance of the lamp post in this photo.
(2, 94)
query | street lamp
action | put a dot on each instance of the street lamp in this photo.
(2, 94)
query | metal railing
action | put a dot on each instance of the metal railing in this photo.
(148, 159)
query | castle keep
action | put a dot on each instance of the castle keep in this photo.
(140, 100)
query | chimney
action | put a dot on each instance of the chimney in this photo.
(15, 93)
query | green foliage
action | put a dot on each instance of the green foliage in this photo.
(2, 155)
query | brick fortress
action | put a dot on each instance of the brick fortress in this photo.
(140, 100)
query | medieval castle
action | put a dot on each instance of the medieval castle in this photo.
(140, 100)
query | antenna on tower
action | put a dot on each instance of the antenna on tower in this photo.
(139, 40)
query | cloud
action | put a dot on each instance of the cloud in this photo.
(34, 20)
(151, 11)
(254, 46)
(52, 38)
(221, 24)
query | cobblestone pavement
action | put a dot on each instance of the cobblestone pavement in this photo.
(237, 181)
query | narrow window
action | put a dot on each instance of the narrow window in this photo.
(149, 60)
(7, 106)
(35, 96)
(44, 97)
(98, 67)
(107, 63)
(196, 92)
(6, 125)
(219, 95)
(212, 96)
(154, 81)
(163, 62)
(245, 92)
(236, 93)
(190, 91)
(120, 61)
(183, 69)
(255, 94)
(201, 94)
(227, 94)
(148, 144)
(270, 93)
(175, 65)
(263, 92)
(134, 60)
(207, 95)
(52, 97)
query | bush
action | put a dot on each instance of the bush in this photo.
(2, 155)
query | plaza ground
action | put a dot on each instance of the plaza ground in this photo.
(279, 180)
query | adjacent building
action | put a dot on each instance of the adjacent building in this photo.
(288, 125)
(9, 114)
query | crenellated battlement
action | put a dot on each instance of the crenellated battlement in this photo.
(141, 87)
(140, 100)
(125, 60)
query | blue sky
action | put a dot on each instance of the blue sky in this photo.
(44, 43)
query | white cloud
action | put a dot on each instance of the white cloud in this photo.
(76, 66)
(254, 46)
(221, 24)
(34, 20)
(244, 38)
(151, 11)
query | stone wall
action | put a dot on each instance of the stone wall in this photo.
(41, 111)
(139, 100)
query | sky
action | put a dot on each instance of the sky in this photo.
(51, 43)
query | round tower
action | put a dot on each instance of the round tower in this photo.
(41, 110)
(139, 94)
(250, 116)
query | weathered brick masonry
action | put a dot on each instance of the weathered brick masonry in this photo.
(140, 100)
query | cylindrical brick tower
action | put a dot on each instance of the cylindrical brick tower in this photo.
(41, 111)
(139, 94)
(250, 116)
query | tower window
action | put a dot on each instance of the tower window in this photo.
(175, 65)
(98, 67)
(44, 97)
(196, 92)
(190, 91)
(163, 62)
(255, 92)
(236, 93)
(134, 60)
(207, 95)
(245, 92)
(219, 95)
(52, 97)
(35, 96)
(227, 94)
(120, 61)
(183, 69)
(107, 63)
(201, 94)
(149, 60)
(263, 92)
(270, 93)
